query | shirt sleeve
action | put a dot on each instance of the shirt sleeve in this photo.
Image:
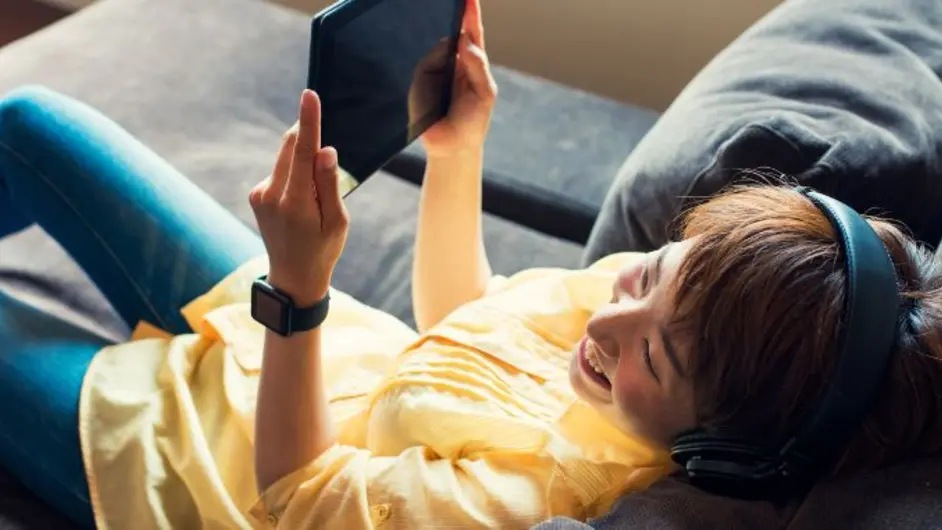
(351, 488)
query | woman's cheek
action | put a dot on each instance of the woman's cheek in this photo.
(632, 395)
(636, 397)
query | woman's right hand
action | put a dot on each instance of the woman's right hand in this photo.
(300, 210)
(465, 127)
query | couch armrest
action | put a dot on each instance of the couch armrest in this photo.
(531, 205)
(551, 154)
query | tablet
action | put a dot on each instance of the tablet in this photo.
(384, 71)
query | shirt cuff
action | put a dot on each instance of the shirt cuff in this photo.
(273, 502)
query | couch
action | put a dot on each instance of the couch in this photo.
(569, 176)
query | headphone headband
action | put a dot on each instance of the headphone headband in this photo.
(871, 312)
(743, 468)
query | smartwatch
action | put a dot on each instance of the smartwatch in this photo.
(275, 310)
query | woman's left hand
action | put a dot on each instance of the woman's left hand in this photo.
(300, 210)
(465, 127)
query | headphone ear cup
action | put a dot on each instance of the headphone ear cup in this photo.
(688, 445)
(701, 446)
(724, 465)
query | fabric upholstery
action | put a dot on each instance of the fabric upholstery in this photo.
(550, 142)
(844, 95)
(673, 504)
(908, 495)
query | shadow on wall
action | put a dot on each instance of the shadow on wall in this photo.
(638, 51)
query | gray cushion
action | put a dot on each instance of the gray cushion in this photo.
(552, 153)
(210, 86)
(675, 505)
(907, 495)
(843, 94)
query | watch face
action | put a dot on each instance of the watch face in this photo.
(269, 309)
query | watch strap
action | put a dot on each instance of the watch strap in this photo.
(307, 318)
(301, 318)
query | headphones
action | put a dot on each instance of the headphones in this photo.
(734, 466)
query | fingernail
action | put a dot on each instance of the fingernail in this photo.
(327, 159)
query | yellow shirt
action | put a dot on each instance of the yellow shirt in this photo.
(470, 425)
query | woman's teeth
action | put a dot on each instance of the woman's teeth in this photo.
(590, 356)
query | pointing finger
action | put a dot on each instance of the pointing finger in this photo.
(308, 142)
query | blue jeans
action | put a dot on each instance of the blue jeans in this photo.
(149, 238)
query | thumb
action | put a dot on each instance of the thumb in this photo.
(475, 64)
(329, 195)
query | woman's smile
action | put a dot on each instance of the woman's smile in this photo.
(591, 365)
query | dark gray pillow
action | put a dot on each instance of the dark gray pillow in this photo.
(844, 95)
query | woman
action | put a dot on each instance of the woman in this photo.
(549, 393)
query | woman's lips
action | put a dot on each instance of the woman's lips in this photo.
(586, 366)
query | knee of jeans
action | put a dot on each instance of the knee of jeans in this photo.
(21, 109)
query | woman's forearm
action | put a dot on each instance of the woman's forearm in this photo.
(292, 423)
(304, 234)
(451, 266)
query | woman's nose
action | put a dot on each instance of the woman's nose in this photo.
(604, 330)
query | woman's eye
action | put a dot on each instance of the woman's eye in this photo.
(644, 279)
(647, 358)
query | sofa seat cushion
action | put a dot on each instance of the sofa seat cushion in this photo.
(844, 95)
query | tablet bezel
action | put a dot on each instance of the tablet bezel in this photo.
(335, 17)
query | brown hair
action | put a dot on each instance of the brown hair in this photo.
(760, 297)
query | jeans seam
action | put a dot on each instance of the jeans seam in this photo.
(128, 275)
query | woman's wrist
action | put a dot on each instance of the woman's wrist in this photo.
(303, 294)
(473, 155)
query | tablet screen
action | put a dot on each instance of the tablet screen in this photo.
(384, 77)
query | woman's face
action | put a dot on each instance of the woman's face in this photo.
(629, 366)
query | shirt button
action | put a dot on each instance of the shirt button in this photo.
(380, 513)
(272, 519)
